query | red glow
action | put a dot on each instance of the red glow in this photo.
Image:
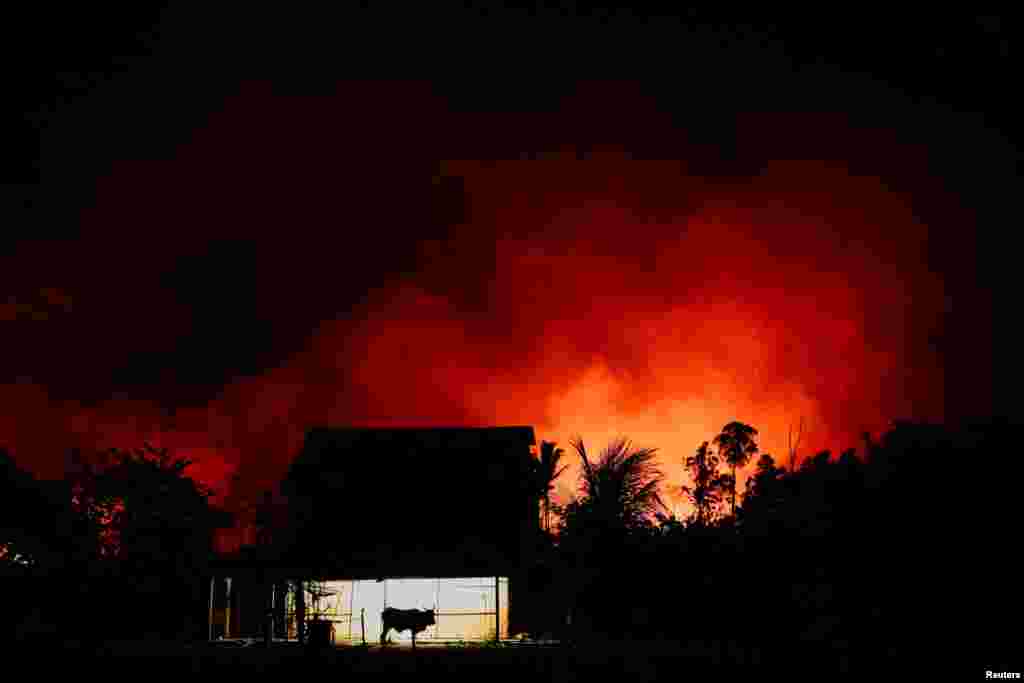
(799, 293)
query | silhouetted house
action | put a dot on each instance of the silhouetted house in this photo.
(406, 518)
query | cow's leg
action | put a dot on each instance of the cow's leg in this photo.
(414, 640)
(384, 633)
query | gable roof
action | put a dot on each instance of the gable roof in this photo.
(323, 445)
(402, 495)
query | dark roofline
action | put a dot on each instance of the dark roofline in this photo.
(503, 428)
(320, 434)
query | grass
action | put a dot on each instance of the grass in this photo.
(461, 659)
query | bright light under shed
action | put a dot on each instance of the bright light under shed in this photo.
(465, 608)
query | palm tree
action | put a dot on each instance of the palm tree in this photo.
(546, 471)
(621, 488)
(736, 446)
(618, 494)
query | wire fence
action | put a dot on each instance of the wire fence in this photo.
(355, 608)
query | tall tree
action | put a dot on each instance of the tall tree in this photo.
(708, 484)
(614, 511)
(546, 471)
(156, 511)
(158, 527)
(736, 446)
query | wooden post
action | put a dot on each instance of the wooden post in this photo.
(228, 598)
(351, 608)
(268, 614)
(213, 590)
(300, 610)
(497, 608)
(280, 609)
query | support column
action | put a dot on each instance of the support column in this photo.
(228, 600)
(497, 608)
(280, 617)
(300, 610)
(269, 593)
(209, 620)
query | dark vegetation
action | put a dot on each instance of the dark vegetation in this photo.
(117, 550)
(897, 555)
(893, 555)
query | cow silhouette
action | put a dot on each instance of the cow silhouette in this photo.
(414, 620)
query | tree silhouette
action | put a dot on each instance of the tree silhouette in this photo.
(621, 488)
(152, 508)
(708, 484)
(765, 496)
(611, 517)
(156, 531)
(736, 446)
(37, 528)
(546, 471)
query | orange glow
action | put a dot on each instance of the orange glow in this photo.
(568, 305)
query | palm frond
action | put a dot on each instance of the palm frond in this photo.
(550, 456)
(622, 486)
(590, 478)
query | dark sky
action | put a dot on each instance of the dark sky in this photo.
(231, 224)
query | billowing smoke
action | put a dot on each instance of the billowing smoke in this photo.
(799, 294)
(592, 295)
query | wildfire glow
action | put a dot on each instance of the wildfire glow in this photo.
(566, 302)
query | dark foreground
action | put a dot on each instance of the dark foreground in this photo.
(653, 660)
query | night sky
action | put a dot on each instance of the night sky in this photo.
(223, 227)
